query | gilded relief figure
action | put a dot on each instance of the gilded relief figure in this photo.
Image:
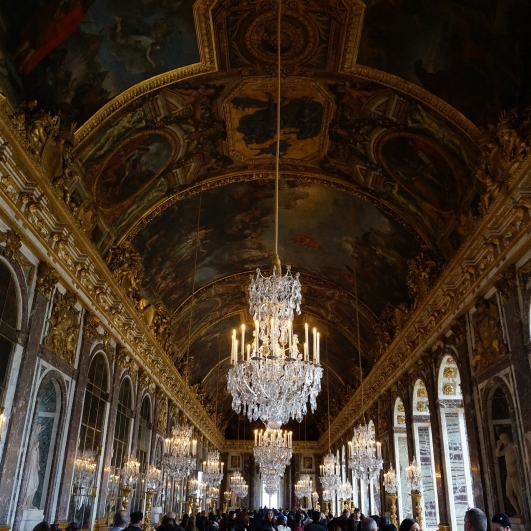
(506, 448)
(489, 343)
(64, 327)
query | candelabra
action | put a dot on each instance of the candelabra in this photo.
(226, 496)
(391, 488)
(151, 486)
(414, 480)
(315, 499)
(329, 473)
(129, 474)
(365, 455)
(273, 356)
(212, 469)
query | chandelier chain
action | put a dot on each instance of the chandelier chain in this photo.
(277, 157)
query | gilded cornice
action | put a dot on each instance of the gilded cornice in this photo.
(500, 238)
(49, 228)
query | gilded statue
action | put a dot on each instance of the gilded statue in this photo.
(64, 327)
(126, 265)
(507, 449)
(489, 343)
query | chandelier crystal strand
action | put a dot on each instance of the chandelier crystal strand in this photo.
(365, 454)
(273, 356)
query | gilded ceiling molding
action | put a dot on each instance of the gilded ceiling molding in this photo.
(239, 176)
(79, 263)
(208, 63)
(246, 447)
(415, 91)
(501, 237)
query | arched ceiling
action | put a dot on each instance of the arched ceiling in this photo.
(381, 104)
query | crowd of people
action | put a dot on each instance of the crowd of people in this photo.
(267, 519)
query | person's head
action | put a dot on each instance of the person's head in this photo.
(475, 520)
(500, 522)
(383, 520)
(316, 516)
(185, 519)
(242, 518)
(43, 526)
(167, 521)
(368, 524)
(172, 515)
(346, 513)
(280, 520)
(408, 524)
(120, 519)
(357, 514)
(270, 515)
(137, 517)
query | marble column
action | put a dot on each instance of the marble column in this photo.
(15, 432)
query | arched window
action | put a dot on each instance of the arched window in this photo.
(42, 446)
(424, 454)
(402, 459)
(90, 439)
(122, 428)
(8, 325)
(455, 442)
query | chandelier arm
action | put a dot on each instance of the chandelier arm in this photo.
(358, 334)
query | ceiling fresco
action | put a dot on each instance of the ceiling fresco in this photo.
(319, 229)
(454, 49)
(75, 56)
(174, 102)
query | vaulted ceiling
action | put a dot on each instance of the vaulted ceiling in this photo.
(381, 108)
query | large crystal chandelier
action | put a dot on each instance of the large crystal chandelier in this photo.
(212, 469)
(180, 452)
(238, 485)
(329, 473)
(303, 487)
(365, 455)
(271, 379)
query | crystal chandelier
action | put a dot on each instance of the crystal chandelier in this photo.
(257, 372)
(391, 482)
(238, 485)
(253, 379)
(273, 450)
(414, 476)
(180, 452)
(315, 497)
(193, 486)
(344, 491)
(303, 487)
(85, 470)
(329, 473)
(365, 455)
(212, 469)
